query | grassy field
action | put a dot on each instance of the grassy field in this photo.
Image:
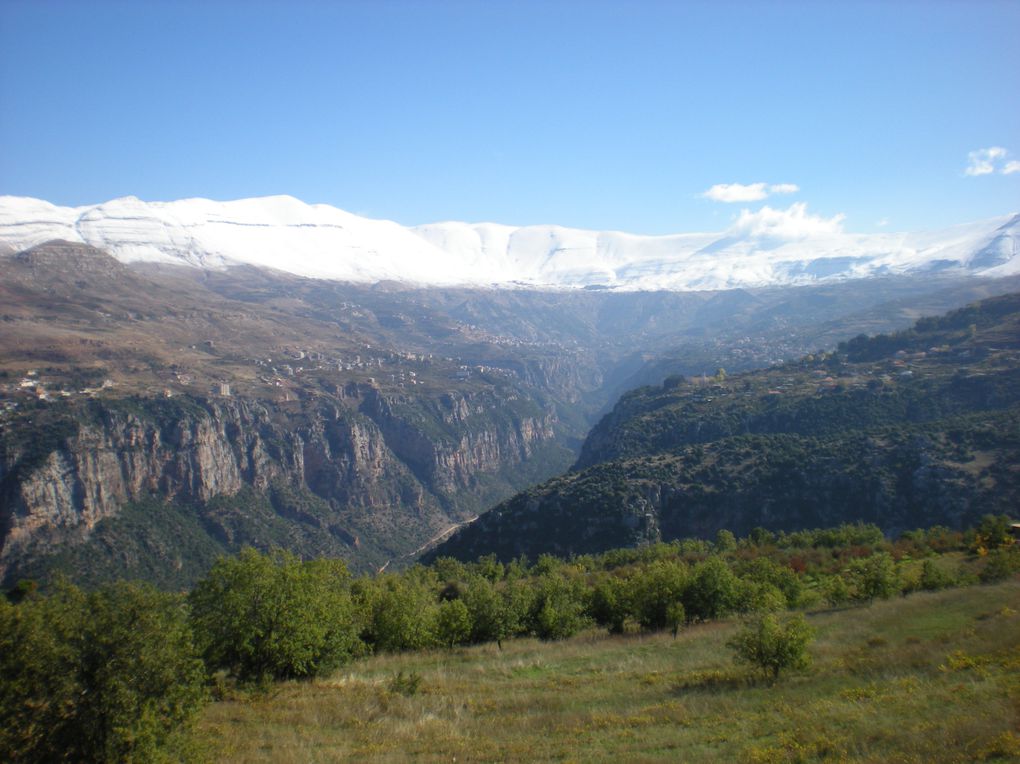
(930, 677)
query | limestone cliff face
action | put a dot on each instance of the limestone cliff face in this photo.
(390, 465)
(119, 453)
(448, 442)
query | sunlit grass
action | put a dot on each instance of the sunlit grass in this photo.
(931, 677)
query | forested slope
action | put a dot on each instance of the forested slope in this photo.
(904, 430)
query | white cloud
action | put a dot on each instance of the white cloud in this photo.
(987, 161)
(882, 223)
(751, 192)
(736, 192)
(1011, 167)
(787, 225)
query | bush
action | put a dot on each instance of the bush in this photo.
(453, 623)
(402, 613)
(934, 578)
(557, 611)
(405, 684)
(712, 591)
(273, 616)
(873, 577)
(773, 645)
(1000, 565)
(655, 589)
(108, 676)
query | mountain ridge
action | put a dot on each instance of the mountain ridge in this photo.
(320, 241)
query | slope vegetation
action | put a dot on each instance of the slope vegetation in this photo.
(926, 678)
(902, 430)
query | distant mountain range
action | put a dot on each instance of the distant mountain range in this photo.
(321, 241)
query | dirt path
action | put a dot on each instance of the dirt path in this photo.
(431, 542)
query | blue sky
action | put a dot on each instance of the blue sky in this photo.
(608, 115)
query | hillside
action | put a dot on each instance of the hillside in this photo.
(930, 677)
(904, 430)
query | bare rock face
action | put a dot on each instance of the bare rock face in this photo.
(116, 455)
(449, 442)
(401, 466)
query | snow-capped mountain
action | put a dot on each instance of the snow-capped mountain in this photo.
(769, 247)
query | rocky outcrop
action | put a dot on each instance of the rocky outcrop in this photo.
(449, 441)
(119, 453)
(385, 466)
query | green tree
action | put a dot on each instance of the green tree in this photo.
(756, 596)
(773, 645)
(992, 532)
(273, 616)
(873, 577)
(725, 541)
(487, 611)
(108, 676)
(453, 623)
(675, 617)
(401, 612)
(658, 586)
(762, 570)
(558, 610)
(835, 590)
(933, 577)
(712, 591)
(1000, 564)
(610, 603)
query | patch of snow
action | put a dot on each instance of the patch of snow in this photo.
(770, 247)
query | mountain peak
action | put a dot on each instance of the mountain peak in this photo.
(767, 248)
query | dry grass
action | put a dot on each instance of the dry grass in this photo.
(932, 677)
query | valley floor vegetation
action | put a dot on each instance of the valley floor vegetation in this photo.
(624, 655)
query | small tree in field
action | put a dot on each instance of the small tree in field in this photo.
(773, 645)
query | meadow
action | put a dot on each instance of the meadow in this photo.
(932, 676)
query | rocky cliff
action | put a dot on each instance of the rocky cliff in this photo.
(381, 472)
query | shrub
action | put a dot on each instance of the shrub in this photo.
(402, 613)
(273, 616)
(405, 684)
(453, 623)
(773, 645)
(874, 577)
(1000, 565)
(107, 676)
